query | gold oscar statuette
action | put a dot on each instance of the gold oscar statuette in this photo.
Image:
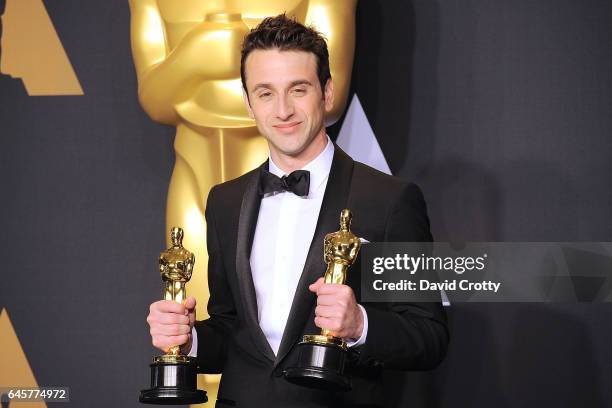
(322, 357)
(174, 375)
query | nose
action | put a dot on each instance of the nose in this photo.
(284, 108)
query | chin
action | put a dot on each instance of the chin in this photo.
(292, 148)
(292, 151)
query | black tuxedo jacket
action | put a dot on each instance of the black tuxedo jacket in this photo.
(401, 336)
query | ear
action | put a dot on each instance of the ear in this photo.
(245, 97)
(328, 97)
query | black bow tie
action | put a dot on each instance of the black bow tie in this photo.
(298, 182)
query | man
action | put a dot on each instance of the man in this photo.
(265, 239)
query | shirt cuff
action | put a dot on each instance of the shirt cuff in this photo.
(194, 343)
(360, 341)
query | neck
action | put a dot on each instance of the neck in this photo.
(288, 163)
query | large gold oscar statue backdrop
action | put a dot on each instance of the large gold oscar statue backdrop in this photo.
(187, 58)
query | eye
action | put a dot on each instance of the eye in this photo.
(264, 95)
(298, 91)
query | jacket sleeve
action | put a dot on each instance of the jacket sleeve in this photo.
(213, 333)
(406, 336)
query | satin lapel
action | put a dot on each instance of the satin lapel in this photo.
(247, 222)
(334, 200)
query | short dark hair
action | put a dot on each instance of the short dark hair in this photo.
(287, 34)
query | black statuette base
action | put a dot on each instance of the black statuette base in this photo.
(320, 366)
(173, 383)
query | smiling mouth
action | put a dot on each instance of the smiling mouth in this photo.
(287, 127)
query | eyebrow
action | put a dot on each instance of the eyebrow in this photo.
(291, 85)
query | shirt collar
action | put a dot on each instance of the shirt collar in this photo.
(319, 167)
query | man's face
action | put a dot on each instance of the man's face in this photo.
(285, 98)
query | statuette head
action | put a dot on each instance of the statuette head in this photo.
(176, 235)
(345, 220)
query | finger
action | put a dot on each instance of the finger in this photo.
(168, 306)
(327, 300)
(170, 329)
(327, 311)
(169, 318)
(178, 340)
(327, 323)
(333, 288)
(314, 287)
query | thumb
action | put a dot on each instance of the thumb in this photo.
(190, 303)
(315, 286)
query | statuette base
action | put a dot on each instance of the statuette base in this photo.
(320, 365)
(173, 381)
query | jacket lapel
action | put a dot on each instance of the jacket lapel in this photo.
(249, 211)
(334, 200)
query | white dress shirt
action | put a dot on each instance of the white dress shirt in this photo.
(285, 227)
